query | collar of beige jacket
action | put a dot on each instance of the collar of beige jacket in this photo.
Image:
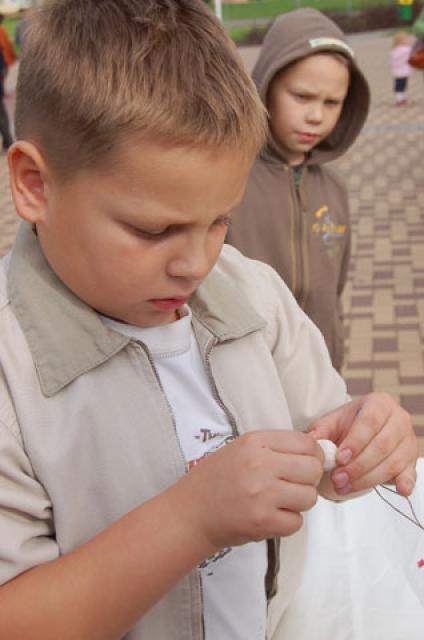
(67, 338)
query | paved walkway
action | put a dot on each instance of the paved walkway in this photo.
(384, 298)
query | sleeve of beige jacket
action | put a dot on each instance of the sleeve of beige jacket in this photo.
(312, 386)
(26, 526)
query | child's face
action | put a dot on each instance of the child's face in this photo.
(136, 243)
(305, 101)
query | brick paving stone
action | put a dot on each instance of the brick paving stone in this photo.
(413, 403)
(384, 344)
(359, 386)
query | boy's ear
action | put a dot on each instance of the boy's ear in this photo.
(28, 172)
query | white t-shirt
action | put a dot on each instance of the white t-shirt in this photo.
(233, 580)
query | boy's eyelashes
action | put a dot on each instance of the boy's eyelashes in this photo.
(149, 234)
(153, 235)
(302, 96)
(331, 102)
(334, 103)
(174, 229)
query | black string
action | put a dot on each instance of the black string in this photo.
(413, 519)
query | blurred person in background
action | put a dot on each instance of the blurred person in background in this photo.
(401, 70)
(6, 46)
(4, 116)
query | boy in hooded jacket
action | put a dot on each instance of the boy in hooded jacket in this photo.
(295, 213)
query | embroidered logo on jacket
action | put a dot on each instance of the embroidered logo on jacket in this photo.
(331, 232)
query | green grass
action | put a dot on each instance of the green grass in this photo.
(239, 34)
(10, 26)
(272, 8)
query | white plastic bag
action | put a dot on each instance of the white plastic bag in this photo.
(362, 577)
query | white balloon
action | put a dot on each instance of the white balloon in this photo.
(330, 451)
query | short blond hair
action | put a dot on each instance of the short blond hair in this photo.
(399, 38)
(95, 72)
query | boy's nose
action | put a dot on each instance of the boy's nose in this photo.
(315, 112)
(192, 262)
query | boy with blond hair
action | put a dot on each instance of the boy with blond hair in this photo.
(160, 396)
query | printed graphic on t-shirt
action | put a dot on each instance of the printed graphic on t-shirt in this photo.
(212, 440)
(233, 575)
(209, 562)
(205, 436)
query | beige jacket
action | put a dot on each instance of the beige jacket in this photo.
(86, 434)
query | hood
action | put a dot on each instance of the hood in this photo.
(298, 34)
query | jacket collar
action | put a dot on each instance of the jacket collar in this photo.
(67, 338)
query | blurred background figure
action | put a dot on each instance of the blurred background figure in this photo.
(6, 47)
(416, 59)
(401, 70)
(21, 27)
(4, 117)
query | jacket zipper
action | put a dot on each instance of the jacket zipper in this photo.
(300, 244)
(233, 424)
(215, 392)
(234, 429)
(202, 604)
(158, 380)
(227, 412)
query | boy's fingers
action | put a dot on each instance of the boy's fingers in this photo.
(285, 523)
(281, 441)
(381, 433)
(376, 443)
(324, 429)
(405, 481)
(377, 450)
(337, 423)
(300, 469)
(296, 497)
(377, 413)
(398, 467)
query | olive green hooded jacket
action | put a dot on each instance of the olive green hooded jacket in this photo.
(303, 231)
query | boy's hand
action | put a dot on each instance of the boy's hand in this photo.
(253, 488)
(376, 442)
